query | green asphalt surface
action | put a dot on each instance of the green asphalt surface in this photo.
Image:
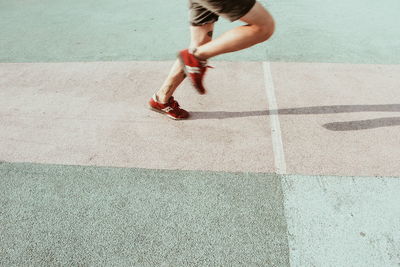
(355, 31)
(58, 215)
(98, 216)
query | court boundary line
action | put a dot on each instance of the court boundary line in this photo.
(277, 144)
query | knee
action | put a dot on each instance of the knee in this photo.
(265, 30)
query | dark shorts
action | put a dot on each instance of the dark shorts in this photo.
(207, 11)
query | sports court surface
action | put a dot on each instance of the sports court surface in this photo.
(291, 159)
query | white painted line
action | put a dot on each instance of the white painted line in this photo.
(277, 145)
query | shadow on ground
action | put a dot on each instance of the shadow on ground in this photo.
(334, 126)
(362, 125)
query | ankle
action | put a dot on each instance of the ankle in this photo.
(160, 98)
(197, 54)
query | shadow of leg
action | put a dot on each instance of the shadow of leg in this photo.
(362, 125)
(202, 115)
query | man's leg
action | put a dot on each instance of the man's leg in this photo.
(199, 35)
(260, 26)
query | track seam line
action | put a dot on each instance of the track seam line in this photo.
(277, 144)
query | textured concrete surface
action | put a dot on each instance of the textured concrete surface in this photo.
(96, 114)
(356, 31)
(343, 221)
(94, 216)
(335, 118)
(339, 119)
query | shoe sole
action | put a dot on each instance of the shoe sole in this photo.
(165, 113)
(187, 75)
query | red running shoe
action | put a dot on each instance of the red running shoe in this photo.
(195, 69)
(171, 108)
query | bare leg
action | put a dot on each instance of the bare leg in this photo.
(199, 36)
(174, 79)
(260, 26)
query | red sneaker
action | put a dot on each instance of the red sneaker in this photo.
(195, 69)
(171, 109)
